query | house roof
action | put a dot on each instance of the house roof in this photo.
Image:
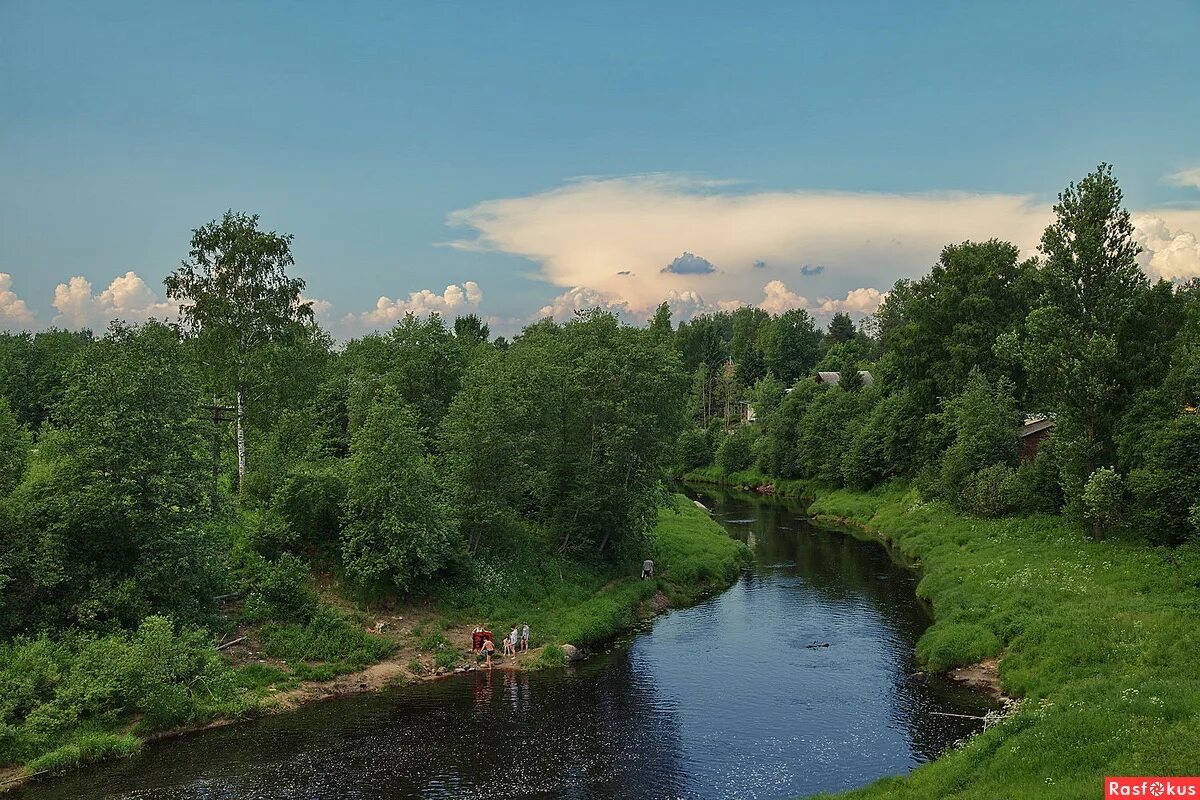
(1035, 424)
(832, 378)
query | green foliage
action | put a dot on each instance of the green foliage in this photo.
(983, 420)
(326, 645)
(1103, 499)
(737, 450)
(1098, 637)
(396, 532)
(1166, 488)
(15, 444)
(693, 450)
(277, 590)
(61, 696)
(107, 526)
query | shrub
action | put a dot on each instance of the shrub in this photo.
(735, 453)
(693, 450)
(991, 492)
(279, 589)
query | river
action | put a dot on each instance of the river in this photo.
(726, 699)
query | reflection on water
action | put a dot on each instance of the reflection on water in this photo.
(725, 699)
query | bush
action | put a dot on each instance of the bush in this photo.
(327, 637)
(736, 451)
(991, 492)
(693, 450)
(278, 590)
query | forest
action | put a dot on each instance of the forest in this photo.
(957, 361)
(147, 472)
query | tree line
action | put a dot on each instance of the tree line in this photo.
(142, 469)
(958, 360)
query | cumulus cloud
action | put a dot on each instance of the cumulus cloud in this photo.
(453, 300)
(690, 264)
(14, 313)
(127, 298)
(1186, 177)
(579, 298)
(1170, 253)
(581, 233)
(857, 301)
(777, 298)
(320, 308)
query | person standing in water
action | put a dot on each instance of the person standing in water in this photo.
(487, 648)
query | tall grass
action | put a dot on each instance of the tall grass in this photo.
(1101, 638)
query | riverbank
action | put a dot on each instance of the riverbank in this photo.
(752, 481)
(1100, 638)
(273, 667)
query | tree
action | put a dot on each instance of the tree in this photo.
(108, 521)
(748, 323)
(660, 323)
(935, 331)
(841, 328)
(14, 450)
(983, 421)
(484, 448)
(1079, 346)
(236, 297)
(1102, 499)
(396, 532)
(789, 345)
(471, 330)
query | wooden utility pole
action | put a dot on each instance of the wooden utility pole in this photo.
(219, 415)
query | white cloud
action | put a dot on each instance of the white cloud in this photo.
(585, 234)
(13, 310)
(320, 308)
(387, 311)
(1186, 177)
(128, 297)
(777, 298)
(1173, 254)
(857, 301)
(579, 298)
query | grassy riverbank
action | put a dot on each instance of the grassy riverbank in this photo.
(752, 480)
(1102, 639)
(68, 701)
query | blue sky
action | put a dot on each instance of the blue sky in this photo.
(568, 143)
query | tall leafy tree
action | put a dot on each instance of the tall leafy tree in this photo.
(1080, 344)
(789, 345)
(108, 519)
(396, 531)
(236, 297)
(748, 322)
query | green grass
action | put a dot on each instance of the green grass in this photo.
(566, 601)
(1101, 638)
(85, 748)
(752, 480)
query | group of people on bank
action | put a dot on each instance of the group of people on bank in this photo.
(517, 641)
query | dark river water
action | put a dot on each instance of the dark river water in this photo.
(721, 700)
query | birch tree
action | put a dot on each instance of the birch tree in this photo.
(236, 297)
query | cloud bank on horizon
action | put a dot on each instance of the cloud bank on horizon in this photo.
(630, 243)
(847, 248)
